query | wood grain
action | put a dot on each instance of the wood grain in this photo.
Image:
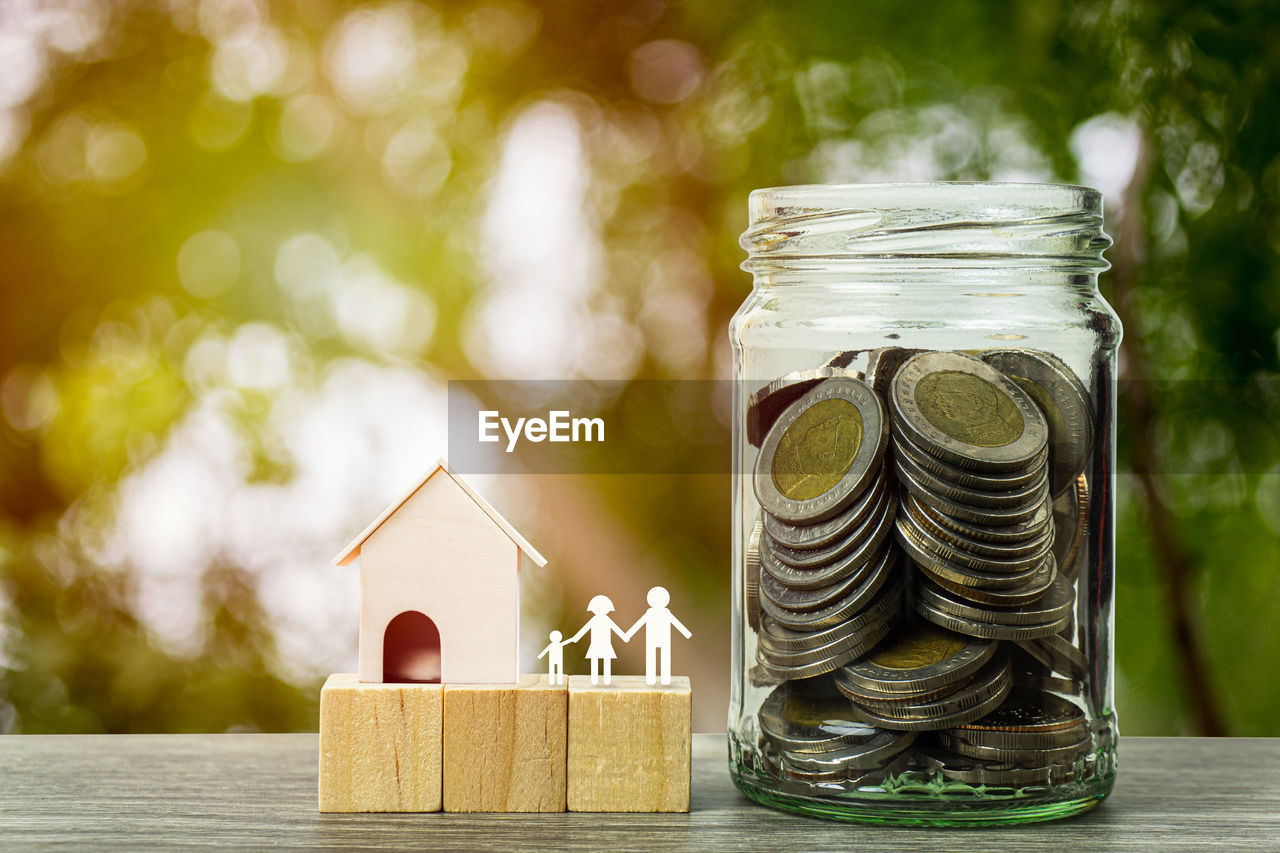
(629, 745)
(505, 746)
(380, 746)
(258, 791)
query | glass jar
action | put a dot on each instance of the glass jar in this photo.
(924, 519)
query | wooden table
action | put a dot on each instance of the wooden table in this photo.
(257, 791)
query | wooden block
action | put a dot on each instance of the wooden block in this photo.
(380, 746)
(505, 746)
(629, 745)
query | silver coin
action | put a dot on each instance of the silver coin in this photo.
(820, 534)
(1028, 719)
(805, 599)
(784, 641)
(878, 718)
(982, 548)
(865, 756)
(988, 630)
(1011, 755)
(1070, 517)
(766, 403)
(867, 551)
(854, 601)
(910, 526)
(822, 453)
(952, 575)
(843, 654)
(992, 482)
(1054, 606)
(992, 678)
(919, 658)
(1065, 403)
(974, 771)
(979, 499)
(1037, 525)
(1031, 591)
(752, 575)
(883, 363)
(1058, 655)
(967, 413)
(799, 723)
(986, 516)
(866, 537)
(859, 694)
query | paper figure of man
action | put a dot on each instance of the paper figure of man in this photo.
(554, 653)
(658, 622)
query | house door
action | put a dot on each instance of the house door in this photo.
(411, 649)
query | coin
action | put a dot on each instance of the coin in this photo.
(1058, 655)
(1054, 606)
(966, 412)
(768, 402)
(953, 576)
(968, 496)
(1030, 591)
(985, 516)
(1064, 401)
(864, 538)
(978, 547)
(902, 446)
(992, 678)
(878, 717)
(919, 658)
(1027, 719)
(799, 723)
(1013, 755)
(883, 363)
(788, 643)
(1070, 514)
(868, 550)
(1038, 524)
(989, 630)
(826, 659)
(864, 756)
(822, 452)
(909, 525)
(820, 534)
(837, 611)
(974, 771)
(752, 574)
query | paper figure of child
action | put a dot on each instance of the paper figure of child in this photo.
(554, 653)
(658, 622)
(602, 629)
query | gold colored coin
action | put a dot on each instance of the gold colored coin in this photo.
(817, 450)
(968, 408)
(927, 645)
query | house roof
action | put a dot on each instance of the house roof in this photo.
(353, 550)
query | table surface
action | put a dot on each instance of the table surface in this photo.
(260, 790)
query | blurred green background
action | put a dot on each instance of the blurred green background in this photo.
(243, 247)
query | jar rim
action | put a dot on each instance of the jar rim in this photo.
(975, 200)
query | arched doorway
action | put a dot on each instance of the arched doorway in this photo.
(411, 649)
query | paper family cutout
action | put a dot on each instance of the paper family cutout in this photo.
(657, 622)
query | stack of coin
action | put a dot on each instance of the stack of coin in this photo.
(1033, 738)
(829, 581)
(813, 737)
(925, 678)
(947, 486)
(971, 456)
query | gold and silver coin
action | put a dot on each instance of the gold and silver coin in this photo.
(768, 402)
(1063, 400)
(966, 413)
(822, 453)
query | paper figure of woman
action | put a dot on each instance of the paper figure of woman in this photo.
(602, 629)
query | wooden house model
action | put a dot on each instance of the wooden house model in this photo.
(439, 587)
